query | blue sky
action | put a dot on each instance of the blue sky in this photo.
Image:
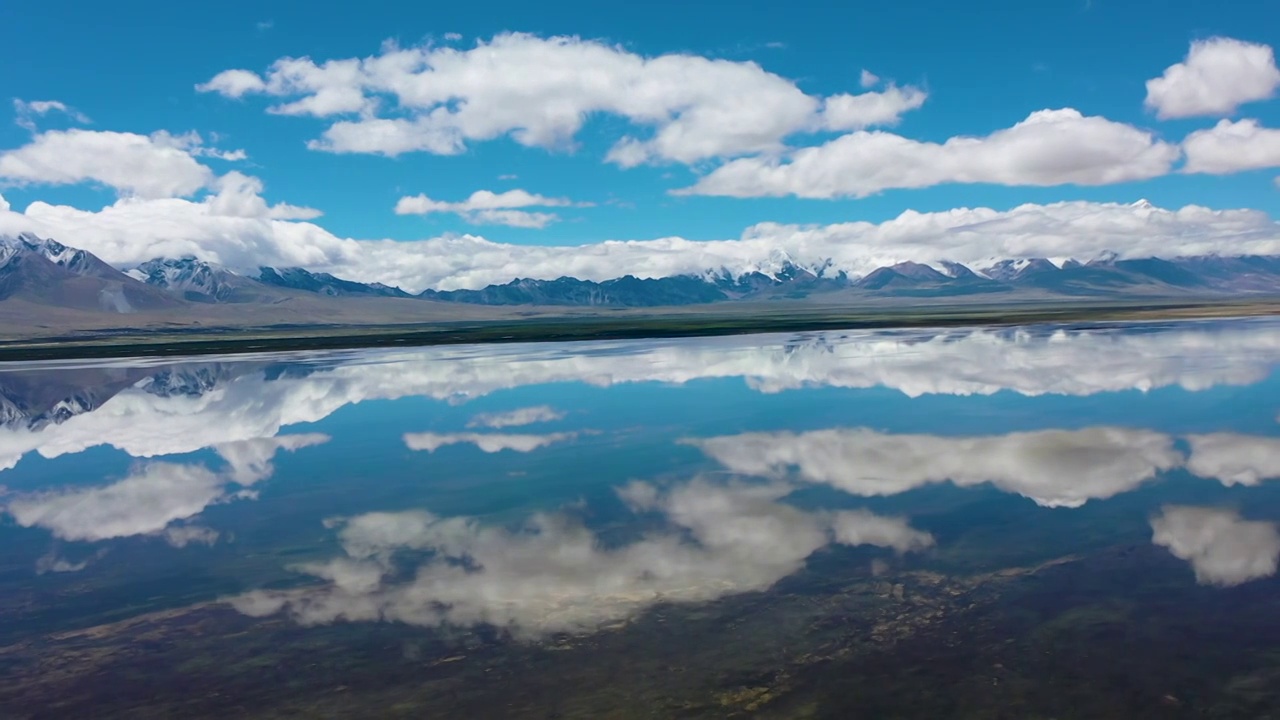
(978, 69)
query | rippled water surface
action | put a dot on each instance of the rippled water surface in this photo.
(1066, 522)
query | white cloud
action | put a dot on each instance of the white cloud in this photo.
(485, 207)
(540, 92)
(488, 442)
(1055, 468)
(156, 166)
(1234, 459)
(868, 79)
(1218, 75)
(1230, 147)
(27, 112)
(234, 84)
(856, 112)
(1222, 547)
(132, 231)
(1050, 147)
(240, 196)
(555, 575)
(517, 417)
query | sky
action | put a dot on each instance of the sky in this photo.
(457, 145)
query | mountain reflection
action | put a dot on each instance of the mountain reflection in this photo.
(173, 409)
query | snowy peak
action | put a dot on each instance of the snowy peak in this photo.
(71, 259)
(1008, 270)
(190, 278)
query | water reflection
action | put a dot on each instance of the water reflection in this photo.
(553, 574)
(1222, 547)
(57, 409)
(155, 494)
(884, 483)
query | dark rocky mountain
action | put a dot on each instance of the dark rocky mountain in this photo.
(202, 282)
(627, 291)
(297, 278)
(45, 272)
(915, 279)
(33, 399)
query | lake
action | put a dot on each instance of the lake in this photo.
(1053, 521)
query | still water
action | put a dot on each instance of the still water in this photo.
(1042, 522)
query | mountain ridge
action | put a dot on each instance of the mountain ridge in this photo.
(45, 270)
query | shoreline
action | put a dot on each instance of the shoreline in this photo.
(567, 328)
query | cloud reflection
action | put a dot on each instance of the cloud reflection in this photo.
(152, 496)
(1222, 547)
(555, 574)
(1055, 468)
(487, 442)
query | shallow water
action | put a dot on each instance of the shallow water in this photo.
(1033, 522)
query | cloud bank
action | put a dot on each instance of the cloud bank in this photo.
(540, 91)
(235, 227)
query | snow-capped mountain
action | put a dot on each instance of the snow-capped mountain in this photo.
(46, 271)
(323, 283)
(196, 280)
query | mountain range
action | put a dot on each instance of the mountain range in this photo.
(41, 272)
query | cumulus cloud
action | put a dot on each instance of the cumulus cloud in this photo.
(155, 166)
(1230, 147)
(555, 575)
(488, 442)
(540, 92)
(240, 196)
(485, 207)
(152, 496)
(1055, 468)
(1218, 75)
(1050, 147)
(856, 112)
(868, 79)
(517, 417)
(233, 84)
(28, 111)
(1233, 458)
(1223, 548)
(132, 231)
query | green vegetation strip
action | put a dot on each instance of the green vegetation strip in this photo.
(678, 323)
